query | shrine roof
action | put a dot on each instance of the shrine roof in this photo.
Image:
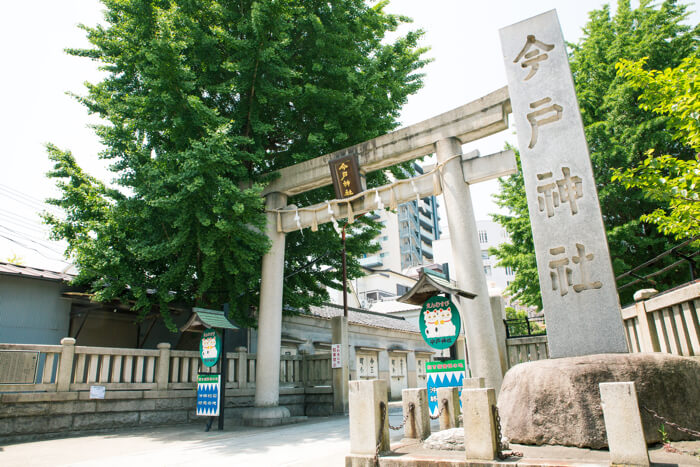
(430, 284)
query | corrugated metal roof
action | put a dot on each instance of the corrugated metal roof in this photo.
(36, 273)
(366, 318)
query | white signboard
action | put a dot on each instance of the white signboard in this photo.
(97, 392)
(576, 277)
(336, 361)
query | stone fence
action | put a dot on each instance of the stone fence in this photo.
(45, 389)
(666, 322)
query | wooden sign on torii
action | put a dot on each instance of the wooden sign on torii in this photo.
(443, 135)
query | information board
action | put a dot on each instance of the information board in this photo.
(208, 394)
(336, 361)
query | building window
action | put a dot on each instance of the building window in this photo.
(509, 271)
(484, 254)
(487, 270)
(401, 289)
(483, 238)
(385, 238)
(382, 255)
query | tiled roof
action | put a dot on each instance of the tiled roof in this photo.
(35, 273)
(367, 318)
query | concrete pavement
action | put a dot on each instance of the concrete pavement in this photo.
(319, 441)
(322, 441)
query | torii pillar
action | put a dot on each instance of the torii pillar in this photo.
(484, 358)
(267, 411)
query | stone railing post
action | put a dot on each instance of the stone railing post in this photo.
(163, 370)
(480, 441)
(242, 369)
(623, 424)
(65, 366)
(449, 418)
(418, 421)
(366, 429)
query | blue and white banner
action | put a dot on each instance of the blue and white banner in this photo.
(208, 394)
(443, 375)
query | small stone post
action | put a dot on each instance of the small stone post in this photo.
(480, 441)
(341, 376)
(473, 383)
(450, 415)
(163, 371)
(65, 366)
(418, 421)
(242, 369)
(365, 416)
(623, 424)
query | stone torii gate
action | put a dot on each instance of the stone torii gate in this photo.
(443, 135)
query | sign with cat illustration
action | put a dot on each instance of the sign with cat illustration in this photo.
(439, 322)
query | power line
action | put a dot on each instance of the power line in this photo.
(23, 224)
(28, 238)
(28, 200)
(29, 235)
(33, 249)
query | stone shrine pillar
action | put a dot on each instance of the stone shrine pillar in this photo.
(267, 368)
(579, 294)
(484, 359)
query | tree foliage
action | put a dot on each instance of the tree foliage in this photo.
(519, 252)
(618, 132)
(200, 101)
(674, 92)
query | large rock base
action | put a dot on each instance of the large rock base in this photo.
(557, 401)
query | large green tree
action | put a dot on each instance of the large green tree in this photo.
(202, 99)
(618, 132)
(672, 181)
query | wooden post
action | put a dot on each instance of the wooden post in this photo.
(65, 365)
(648, 339)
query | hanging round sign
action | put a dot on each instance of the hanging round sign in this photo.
(439, 322)
(210, 347)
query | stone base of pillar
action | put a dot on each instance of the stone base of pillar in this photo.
(269, 416)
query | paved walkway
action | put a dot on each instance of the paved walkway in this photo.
(320, 442)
